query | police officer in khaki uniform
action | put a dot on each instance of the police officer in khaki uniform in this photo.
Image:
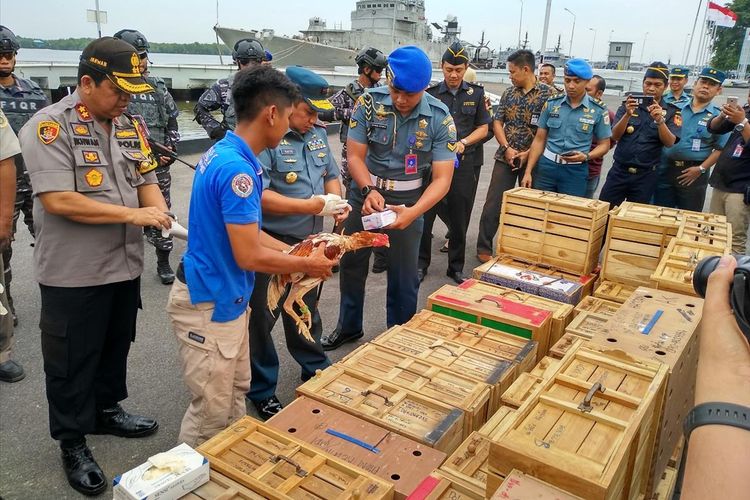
(95, 190)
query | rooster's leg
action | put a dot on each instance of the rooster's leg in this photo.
(296, 295)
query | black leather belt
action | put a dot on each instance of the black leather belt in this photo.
(638, 170)
(181, 273)
(685, 163)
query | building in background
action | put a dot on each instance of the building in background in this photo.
(619, 55)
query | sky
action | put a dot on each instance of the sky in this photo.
(664, 24)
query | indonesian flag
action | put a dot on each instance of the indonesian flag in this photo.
(721, 15)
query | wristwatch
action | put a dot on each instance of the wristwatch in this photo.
(503, 149)
(716, 414)
(702, 169)
(366, 190)
(740, 126)
(464, 142)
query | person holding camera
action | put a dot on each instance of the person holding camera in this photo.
(731, 176)
(644, 124)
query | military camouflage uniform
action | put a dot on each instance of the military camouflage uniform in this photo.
(218, 96)
(159, 111)
(343, 103)
(19, 103)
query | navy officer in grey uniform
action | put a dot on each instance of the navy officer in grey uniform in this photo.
(301, 184)
(398, 136)
(642, 128)
(559, 154)
(247, 53)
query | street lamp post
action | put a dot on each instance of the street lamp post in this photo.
(591, 59)
(643, 47)
(572, 31)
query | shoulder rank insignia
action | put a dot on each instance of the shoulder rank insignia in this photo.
(83, 112)
(48, 131)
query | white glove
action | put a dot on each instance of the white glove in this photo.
(177, 230)
(333, 204)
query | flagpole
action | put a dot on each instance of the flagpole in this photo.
(701, 39)
(695, 23)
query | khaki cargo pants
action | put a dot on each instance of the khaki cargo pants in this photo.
(215, 365)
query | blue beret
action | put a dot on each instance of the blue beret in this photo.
(313, 87)
(713, 74)
(680, 72)
(579, 68)
(409, 69)
(269, 56)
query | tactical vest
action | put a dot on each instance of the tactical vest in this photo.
(153, 108)
(230, 117)
(20, 105)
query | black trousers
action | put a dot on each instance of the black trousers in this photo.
(86, 336)
(458, 204)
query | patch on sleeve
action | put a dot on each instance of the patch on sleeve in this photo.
(451, 146)
(48, 131)
(606, 117)
(242, 185)
(352, 123)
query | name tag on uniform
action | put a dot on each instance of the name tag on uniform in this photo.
(410, 164)
(696, 145)
(589, 121)
(738, 151)
(535, 119)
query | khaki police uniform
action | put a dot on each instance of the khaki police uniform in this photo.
(89, 274)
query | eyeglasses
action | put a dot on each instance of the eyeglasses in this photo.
(7, 55)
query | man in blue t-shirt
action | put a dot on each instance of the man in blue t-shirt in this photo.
(208, 303)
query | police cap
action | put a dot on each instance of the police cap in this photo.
(657, 69)
(679, 72)
(713, 74)
(8, 41)
(248, 48)
(313, 87)
(456, 54)
(579, 68)
(134, 38)
(409, 69)
(119, 61)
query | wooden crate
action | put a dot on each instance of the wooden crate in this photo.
(438, 486)
(578, 438)
(497, 422)
(468, 464)
(470, 395)
(278, 466)
(597, 305)
(587, 324)
(709, 233)
(613, 291)
(526, 487)
(666, 485)
(488, 297)
(520, 351)
(564, 345)
(535, 279)
(555, 229)
(393, 457)
(527, 383)
(495, 371)
(672, 340)
(221, 487)
(430, 422)
(676, 267)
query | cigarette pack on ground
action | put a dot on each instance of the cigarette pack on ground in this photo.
(165, 476)
(378, 220)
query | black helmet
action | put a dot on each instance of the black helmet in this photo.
(247, 48)
(372, 57)
(134, 38)
(8, 41)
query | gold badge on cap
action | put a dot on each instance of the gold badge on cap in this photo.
(136, 63)
(291, 178)
(630, 129)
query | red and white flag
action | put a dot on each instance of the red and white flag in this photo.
(721, 15)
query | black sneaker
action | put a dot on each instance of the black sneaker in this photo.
(11, 371)
(268, 407)
(336, 339)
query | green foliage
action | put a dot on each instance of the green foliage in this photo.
(164, 48)
(729, 40)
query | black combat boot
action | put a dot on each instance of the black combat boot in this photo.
(163, 269)
(83, 473)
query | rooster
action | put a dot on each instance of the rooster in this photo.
(336, 246)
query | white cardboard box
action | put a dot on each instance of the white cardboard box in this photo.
(133, 486)
(378, 220)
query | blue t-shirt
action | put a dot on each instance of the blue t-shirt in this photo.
(226, 190)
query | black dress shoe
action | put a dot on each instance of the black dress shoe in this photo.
(456, 276)
(11, 371)
(336, 339)
(268, 407)
(84, 474)
(118, 422)
(421, 273)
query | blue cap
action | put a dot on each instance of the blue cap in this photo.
(409, 69)
(269, 56)
(313, 87)
(713, 74)
(679, 72)
(579, 68)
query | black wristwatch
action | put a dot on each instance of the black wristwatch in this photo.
(716, 414)
(366, 190)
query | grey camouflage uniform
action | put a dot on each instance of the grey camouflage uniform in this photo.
(217, 97)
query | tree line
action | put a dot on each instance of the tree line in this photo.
(164, 48)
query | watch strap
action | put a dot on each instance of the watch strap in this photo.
(716, 413)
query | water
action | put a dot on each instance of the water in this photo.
(72, 56)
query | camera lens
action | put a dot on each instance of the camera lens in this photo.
(700, 276)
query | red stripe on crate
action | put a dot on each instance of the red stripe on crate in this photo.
(425, 488)
(534, 315)
(467, 284)
(451, 300)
